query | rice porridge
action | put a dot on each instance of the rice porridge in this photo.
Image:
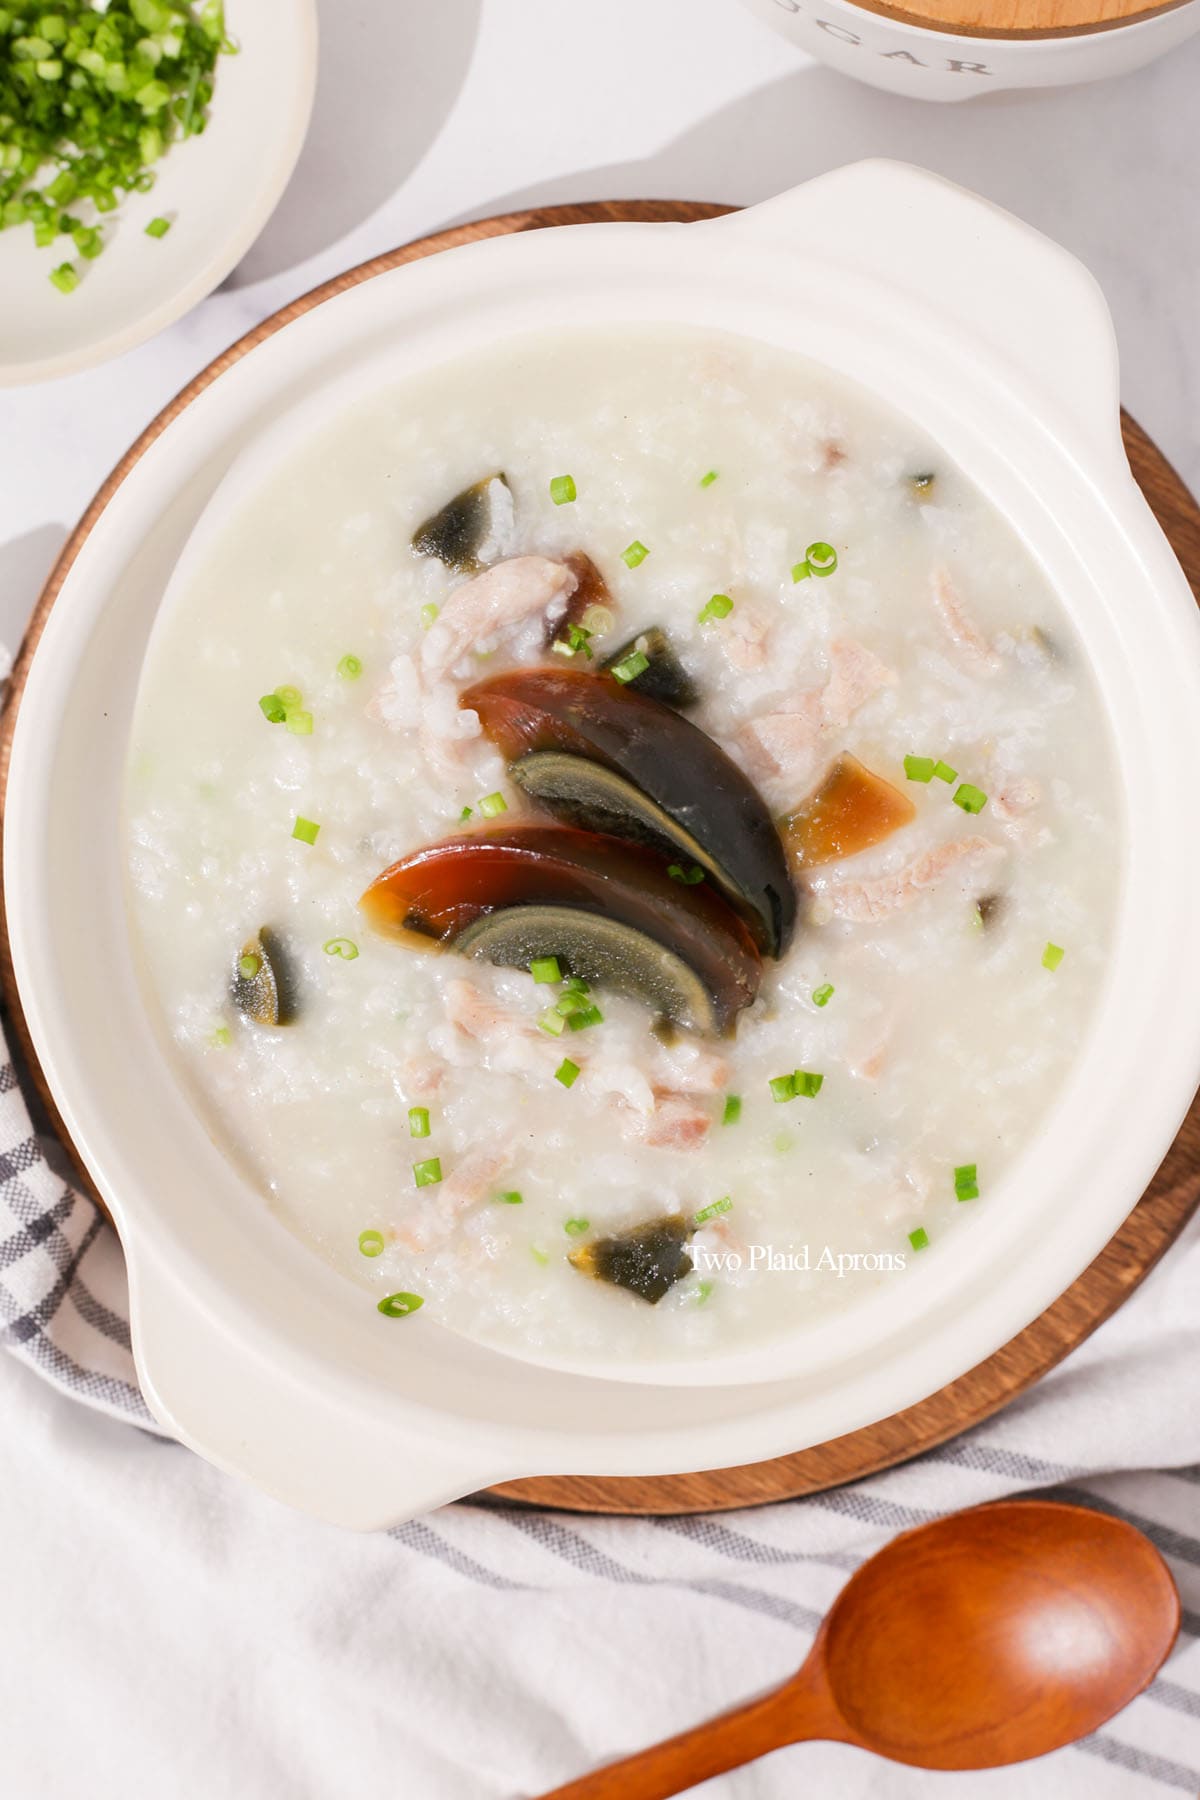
(623, 841)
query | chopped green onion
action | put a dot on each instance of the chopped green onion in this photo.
(782, 1142)
(290, 696)
(800, 571)
(690, 877)
(158, 228)
(703, 1290)
(465, 814)
(966, 1182)
(305, 830)
(418, 1121)
(707, 480)
(429, 613)
(807, 1084)
(398, 1306)
(1052, 955)
(350, 668)
(553, 1021)
(634, 554)
(824, 994)
(300, 724)
(567, 1072)
(733, 1109)
(724, 1205)
(719, 607)
(572, 1002)
(64, 278)
(971, 799)
(545, 968)
(222, 1037)
(575, 984)
(512, 1198)
(539, 1256)
(919, 1238)
(630, 667)
(919, 768)
(272, 708)
(576, 1227)
(346, 948)
(944, 772)
(248, 967)
(562, 489)
(783, 1087)
(428, 1173)
(821, 558)
(371, 1243)
(590, 1015)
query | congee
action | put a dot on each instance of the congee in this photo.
(623, 842)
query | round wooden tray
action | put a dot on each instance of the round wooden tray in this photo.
(1125, 1262)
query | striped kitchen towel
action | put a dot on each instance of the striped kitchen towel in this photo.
(666, 1620)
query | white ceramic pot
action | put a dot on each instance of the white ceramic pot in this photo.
(929, 64)
(250, 1349)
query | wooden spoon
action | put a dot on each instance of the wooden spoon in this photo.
(977, 1640)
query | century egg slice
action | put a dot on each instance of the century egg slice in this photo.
(647, 1260)
(261, 986)
(851, 810)
(471, 530)
(607, 909)
(703, 806)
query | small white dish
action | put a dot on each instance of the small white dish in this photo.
(217, 190)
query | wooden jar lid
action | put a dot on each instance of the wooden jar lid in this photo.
(1018, 18)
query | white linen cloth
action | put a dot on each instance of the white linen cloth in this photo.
(168, 1631)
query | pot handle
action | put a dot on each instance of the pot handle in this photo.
(951, 254)
(241, 1410)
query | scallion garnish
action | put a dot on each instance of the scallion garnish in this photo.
(371, 1243)
(944, 772)
(919, 768)
(724, 1205)
(1052, 955)
(590, 1015)
(429, 613)
(634, 554)
(919, 1238)
(783, 1087)
(800, 571)
(418, 1121)
(575, 984)
(577, 639)
(300, 723)
(571, 1002)
(539, 1256)
(428, 1173)
(733, 1109)
(350, 668)
(971, 799)
(821, 558)
(222, 1037)
(248, 967)
(630, 667)
(158, 228)
(807, 1084)
(398, 1306)
(545, 969)
(291, 696)
(576, 1227)
(703, 1290)
(465, 814)
(567, 1072)
(707, 480)
(824, 994)
(272, 708)
(512, 1198)
(553, 1021)
(346, 948)
(966, 1182)
(692, 876)
(562, 489)
(718, 607)
(305, 830)
(491, 804)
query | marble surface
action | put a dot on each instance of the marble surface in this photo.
(429, 114)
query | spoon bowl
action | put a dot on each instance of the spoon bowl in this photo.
(981, 1639)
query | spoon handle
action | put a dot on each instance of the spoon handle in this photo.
(781, 1717)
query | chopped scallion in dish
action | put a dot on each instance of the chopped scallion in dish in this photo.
(305, 830)
(971, 799)
(824, 994)
(707, 480)
(919, 1238)
(512, 1198)
(545, 968)
(371, 1243)
(418, 1121)
(718, 607)
(350, 668)
(567, 1072)
(919, 768)
(634, 554)
(1052, 955)
(966, 1182)
(944, 772)
(576, 1227)
(158, 228)
(733, 1109)
(492, 804)
(428, 1173)
(562, 490)
(398, 1306)
(630, 667)
(724, 1205)
(346, 948)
